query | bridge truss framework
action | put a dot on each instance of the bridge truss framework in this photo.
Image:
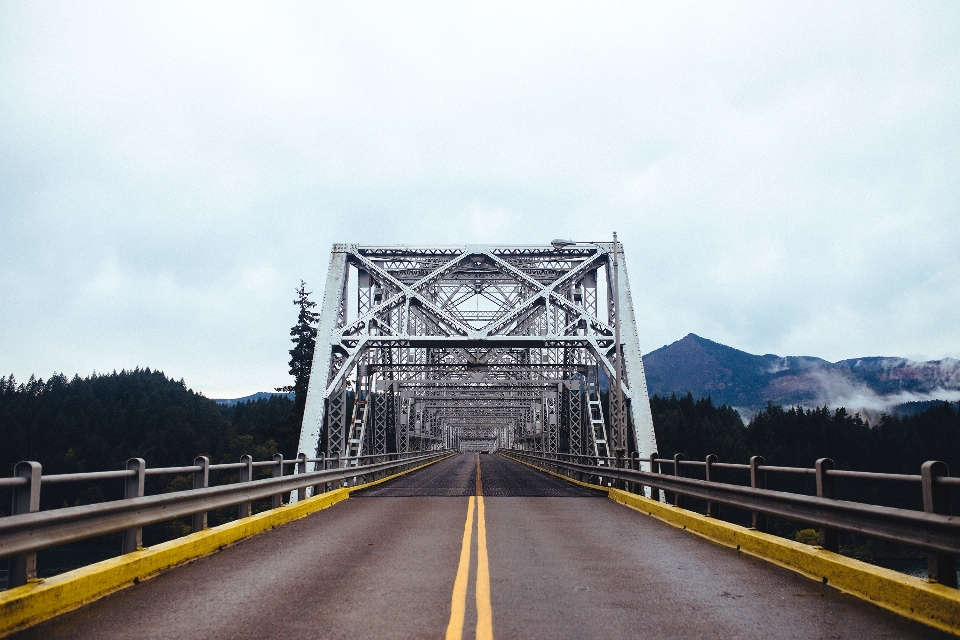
(473, 347)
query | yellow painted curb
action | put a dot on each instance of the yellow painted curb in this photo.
(25, 606)
(930, 603)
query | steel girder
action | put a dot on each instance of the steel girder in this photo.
(504, 338)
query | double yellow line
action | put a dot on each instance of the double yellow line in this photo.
(458, 603)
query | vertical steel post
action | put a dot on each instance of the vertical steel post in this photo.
(133, 488)
(826, 488)
(710, 473)
(678, 471)
(201, 480)
(619, 434)
(22, 568)
(758, 480)
(276, 501)
(321, 466)
(654, 468)
(936, 499)
(301, 469)
(246, 475)
(620, 484)
(331, 319)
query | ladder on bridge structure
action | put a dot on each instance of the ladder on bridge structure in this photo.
(598, 429)
(358, 425)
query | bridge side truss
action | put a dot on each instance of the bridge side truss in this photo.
(475, 347)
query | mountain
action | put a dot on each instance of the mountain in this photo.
(260, 395)
(747, 381)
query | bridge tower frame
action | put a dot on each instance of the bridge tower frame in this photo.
(453, 345)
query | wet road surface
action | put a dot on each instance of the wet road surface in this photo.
(562, 563)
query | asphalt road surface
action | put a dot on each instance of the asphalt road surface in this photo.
(503, 551)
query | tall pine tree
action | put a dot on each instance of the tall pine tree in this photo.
(304, 338)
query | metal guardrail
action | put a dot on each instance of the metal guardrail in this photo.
(29, 530)
(933, 530)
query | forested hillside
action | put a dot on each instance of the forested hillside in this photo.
(794, 437)
(98, 422)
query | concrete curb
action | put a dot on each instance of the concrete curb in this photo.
(929, 603)
(35, 602)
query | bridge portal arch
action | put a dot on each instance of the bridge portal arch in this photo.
(476, 346)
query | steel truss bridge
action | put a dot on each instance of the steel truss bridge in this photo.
(477, 347)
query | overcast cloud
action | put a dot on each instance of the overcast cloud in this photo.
(785, 176)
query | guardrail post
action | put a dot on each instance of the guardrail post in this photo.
(678, 472)
(654, 468)
(321, 466)
(301, 469)
(936, 499)
(246, 475)
(826, 488)
(22, 568)
(713, 508)
(201, 480)
(620, 484)
(133, 488)
(758, 480)
(277, 500)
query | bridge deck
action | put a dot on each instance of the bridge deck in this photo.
(563, 564)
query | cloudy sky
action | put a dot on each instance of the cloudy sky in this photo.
(785, 177)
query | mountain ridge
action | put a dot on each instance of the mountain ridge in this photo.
(871, 385)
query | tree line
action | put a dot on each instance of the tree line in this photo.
(797, 437)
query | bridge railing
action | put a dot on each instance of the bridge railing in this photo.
(933, 530)
(28, 530)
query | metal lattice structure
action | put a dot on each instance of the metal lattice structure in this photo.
(477, 346)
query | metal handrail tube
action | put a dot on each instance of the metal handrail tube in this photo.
(693, 463)
(81, 477)
(13, 482)
(263, 463)
(731, 465)
(948, 480)
(870, 475)
(928, 531)
(838, 473)
(227, 466)
(171, 471)
(30, 532)
(801, 471)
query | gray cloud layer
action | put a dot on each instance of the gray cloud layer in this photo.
(784, 176)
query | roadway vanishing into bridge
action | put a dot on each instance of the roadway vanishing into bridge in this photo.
(478, 546)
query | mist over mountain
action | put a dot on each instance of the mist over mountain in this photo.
(746, 381)
(260, 395)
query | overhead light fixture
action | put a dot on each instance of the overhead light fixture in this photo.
(560, 244)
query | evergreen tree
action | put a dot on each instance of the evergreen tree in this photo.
(304, 338)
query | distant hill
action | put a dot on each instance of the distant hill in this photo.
(260, 395)
(747, 381)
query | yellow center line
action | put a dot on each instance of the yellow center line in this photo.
(484, 611)
(458, 604)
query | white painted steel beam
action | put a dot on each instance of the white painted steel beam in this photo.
(442, 338)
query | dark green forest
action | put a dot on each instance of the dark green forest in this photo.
(795, 437)
(98, 422)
